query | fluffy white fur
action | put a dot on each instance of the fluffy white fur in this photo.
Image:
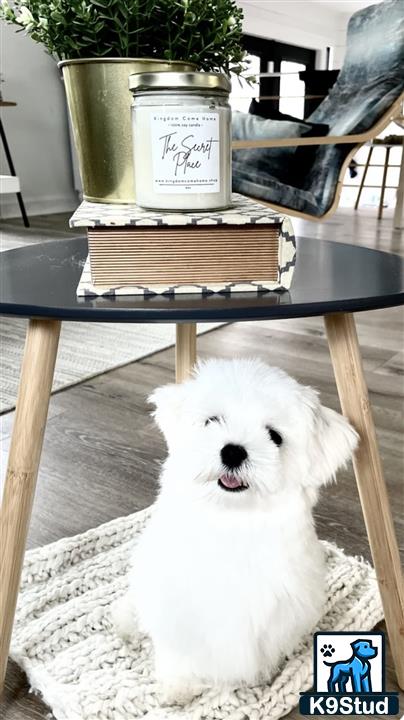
(227, 583)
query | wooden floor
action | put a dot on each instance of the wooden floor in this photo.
(102, 452)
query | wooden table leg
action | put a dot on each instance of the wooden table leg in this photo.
(185, 350)
(25, 451)
(354, 398)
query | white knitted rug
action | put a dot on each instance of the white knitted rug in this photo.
(64, 641)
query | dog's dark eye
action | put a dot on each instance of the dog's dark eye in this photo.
(275, 437)
(214, 418)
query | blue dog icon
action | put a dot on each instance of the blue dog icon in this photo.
(357, 669)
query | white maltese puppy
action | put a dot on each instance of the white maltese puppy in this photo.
(229, 574)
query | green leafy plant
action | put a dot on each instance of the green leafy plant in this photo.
(205, 32)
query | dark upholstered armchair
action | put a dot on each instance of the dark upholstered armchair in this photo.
(282, 168)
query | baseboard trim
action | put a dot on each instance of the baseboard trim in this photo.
(39, 206)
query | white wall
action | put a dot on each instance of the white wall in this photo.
(305, 23)
(36, 129)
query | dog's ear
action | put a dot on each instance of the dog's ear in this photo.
(168, 401)
(331, 444)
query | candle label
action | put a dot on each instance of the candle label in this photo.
(186, 152)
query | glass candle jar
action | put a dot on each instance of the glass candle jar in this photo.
(181, 140)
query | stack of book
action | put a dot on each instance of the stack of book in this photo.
(133, 251)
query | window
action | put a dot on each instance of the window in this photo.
(291, 90)
(269, 58)
(242, 91)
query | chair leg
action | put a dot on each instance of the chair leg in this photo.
(13, 173)
(185, 350)
(383, 188)
(398, 212)
(354, 398)
(365, 172)
(23, 462)
(23, 210)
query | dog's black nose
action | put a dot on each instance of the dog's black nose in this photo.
(233, 455)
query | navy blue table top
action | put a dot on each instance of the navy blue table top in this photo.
(40, 281)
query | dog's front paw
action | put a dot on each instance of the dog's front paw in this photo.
(180, 693)
(123, 618)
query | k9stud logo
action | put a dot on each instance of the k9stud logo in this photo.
(349, 676)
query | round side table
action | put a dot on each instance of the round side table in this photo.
(331, 279)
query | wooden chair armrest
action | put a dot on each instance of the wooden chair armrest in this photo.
(298, 141)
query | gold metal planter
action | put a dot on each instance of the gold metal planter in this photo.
(99, 103)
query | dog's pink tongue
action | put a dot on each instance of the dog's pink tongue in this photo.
(230, 481)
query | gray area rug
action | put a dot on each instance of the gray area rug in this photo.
(85, 350)
(64, 640)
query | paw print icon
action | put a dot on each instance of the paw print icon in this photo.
(327, 650)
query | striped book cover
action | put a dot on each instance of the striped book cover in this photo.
(132, 251)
